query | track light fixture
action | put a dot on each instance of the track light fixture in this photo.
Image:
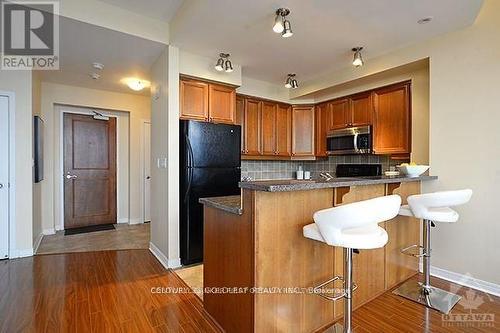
(357, 61)
(291, 82)
(281, 24)
(224, 63)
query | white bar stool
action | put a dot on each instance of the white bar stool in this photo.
(431, 207)
(352, 226)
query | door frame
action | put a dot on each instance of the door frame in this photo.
(143, 169)
(86, 111)
(11, 186)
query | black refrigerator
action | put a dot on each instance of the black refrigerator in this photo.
(210, 166)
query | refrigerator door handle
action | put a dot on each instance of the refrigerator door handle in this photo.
(189, 168)
(190, 153)
(188, 188)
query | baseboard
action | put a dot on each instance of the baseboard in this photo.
(13, 254)
(465, 280)
(162, 258)
(49, 231)
(123, 220)
(136, 221)
(38, 240)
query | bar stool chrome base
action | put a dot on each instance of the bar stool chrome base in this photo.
(431, 297)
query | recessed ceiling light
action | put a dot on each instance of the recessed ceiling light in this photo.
(98, 66)
(425, 20)
(95, 76)
(136, 84)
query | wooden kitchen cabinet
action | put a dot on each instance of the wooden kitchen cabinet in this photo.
(222, 104)
(239, 119)
(193, 100)
(322, 127)
(360, 110)
(283, 130)
(337, 115)
(303, 131)
(392, 120)
(252, 127)
(268, 131)
(206, 101)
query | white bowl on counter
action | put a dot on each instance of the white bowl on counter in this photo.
(413, 170)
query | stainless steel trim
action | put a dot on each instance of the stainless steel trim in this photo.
(349, 131)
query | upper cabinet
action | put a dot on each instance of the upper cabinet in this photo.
(283, 130)
(194, 100)
(240, 119)
(268, 133)
(392, 120)
(337, 116)
(252, 127)
(207, 101)
(322, 126)
(360, 110)
(303, 131)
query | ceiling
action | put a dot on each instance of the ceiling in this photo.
(158, 9)
(123, 55)
(324, 31)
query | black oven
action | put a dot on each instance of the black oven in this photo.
(348, 141)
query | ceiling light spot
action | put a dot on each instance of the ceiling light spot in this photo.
(425, 20)
(136, 84)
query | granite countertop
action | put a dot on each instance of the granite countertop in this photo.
(301, 185)
(230, 204)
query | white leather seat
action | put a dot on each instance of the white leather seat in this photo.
(354, 225)
(436, 206)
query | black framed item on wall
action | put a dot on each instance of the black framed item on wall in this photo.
(38, 148)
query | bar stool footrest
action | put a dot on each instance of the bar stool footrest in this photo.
(318, 289)
(415, 250)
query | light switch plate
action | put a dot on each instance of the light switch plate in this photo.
(161, 163)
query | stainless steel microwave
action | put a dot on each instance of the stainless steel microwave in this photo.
(348, 141)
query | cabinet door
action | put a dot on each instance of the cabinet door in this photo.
(253, 110)
(303, 131)
(222, 100)
(240, 119)
(338, 114)
(322, 125)
(284, 130)
(193, 100)
(268, 132)
(392, 120)
(361, 110)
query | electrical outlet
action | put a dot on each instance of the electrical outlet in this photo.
(161, 163)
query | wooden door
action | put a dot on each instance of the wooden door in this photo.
(89, 171)
(252, 127)
(361, 109)
(193, 100)
(322, 125)
(303, 131)
(284, 130)
(222, 104)
(240, 119)
(268, 128)
(147, 172)
(392, 120)
(338, 117)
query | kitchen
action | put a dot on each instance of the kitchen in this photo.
(295, 160)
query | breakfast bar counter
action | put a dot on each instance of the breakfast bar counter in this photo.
(260, 269)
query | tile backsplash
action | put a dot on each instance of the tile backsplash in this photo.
(262, 170)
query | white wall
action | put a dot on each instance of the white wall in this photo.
(464, 118)
(19, 82)
(134, 108)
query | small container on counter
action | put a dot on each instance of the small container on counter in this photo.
(300, 173)
(307, 174)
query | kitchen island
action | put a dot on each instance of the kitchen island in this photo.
(259, 269)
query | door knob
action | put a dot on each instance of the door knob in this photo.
(1, 185)
(68, 176)
(148, 177)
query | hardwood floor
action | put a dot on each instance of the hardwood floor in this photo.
(112, 292)
(96, 292)
(193, 277)
(123, 237)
